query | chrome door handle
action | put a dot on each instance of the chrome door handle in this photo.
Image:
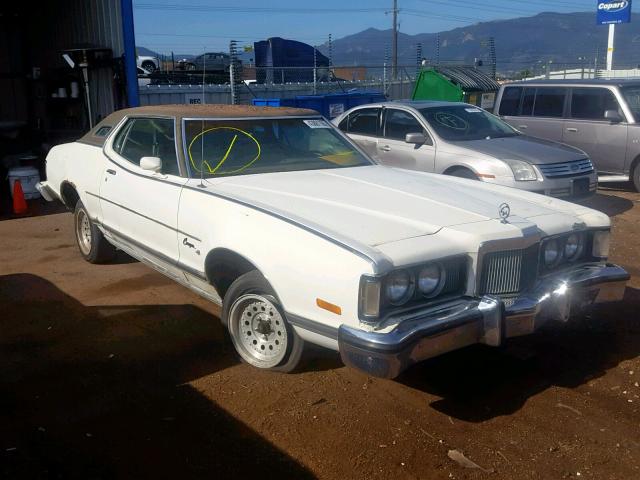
(523, 127)
(111, 171)
(385, 148)
(571, 129)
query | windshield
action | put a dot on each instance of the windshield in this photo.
(465, 122)
(632, 96)
(217, 148)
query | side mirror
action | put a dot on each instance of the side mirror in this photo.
(415, 138)
(613, 116)
(152, 164)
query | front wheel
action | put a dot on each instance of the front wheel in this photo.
(636, 177)
(258, 327)
(91, 243)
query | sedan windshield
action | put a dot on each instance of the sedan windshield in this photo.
(632, 96)
(465, 122)
(217, 148)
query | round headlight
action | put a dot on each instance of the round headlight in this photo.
(573, 247)
(551, 253)
(430, 279)
(398, 287)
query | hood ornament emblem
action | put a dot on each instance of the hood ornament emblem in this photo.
(504, 210)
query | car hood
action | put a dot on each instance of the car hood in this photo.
(522, 147)
(374, 205)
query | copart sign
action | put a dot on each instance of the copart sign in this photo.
(613, 11)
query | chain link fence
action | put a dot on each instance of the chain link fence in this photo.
(193, 87)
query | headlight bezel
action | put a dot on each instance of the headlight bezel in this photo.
(585, 252)
(518, 167)
(373, 285)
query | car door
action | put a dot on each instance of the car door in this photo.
(394, 151)
(587, 129)
(139, 205)
(538, 112)
(362, 126)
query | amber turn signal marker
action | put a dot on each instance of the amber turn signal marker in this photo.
(486, 175)
(328, 306)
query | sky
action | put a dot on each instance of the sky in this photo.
(195, 26)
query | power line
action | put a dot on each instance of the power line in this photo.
(233, 9)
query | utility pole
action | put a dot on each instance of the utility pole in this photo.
(610, 40)
(394, 44)
(492, 55)
(438, 49)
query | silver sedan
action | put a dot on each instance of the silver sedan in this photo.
(466, 141)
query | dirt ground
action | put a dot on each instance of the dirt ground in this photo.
(114, 371)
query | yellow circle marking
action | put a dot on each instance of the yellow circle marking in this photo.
(226, 155)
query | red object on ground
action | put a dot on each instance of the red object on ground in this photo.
(19, 203)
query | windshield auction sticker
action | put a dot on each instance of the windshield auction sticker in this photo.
(316, 124)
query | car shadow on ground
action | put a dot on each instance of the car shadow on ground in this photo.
(612, 205)
(102, 392)
(479, 383)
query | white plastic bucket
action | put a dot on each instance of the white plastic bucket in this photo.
(28, 177)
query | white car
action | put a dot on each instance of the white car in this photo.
(150, 64)
(277, 216)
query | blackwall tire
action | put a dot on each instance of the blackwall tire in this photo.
(258, 326)
(93, 247)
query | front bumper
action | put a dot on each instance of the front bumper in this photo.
(46, 191)
(488, 320)
(579, 186)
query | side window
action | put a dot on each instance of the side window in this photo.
(148, 137)
(344, 124)
(510, 101)
(398, 123)
(549, 102)
(364, 122)
(591, 103)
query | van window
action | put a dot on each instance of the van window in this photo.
(364, 122)
(591, 103)
(528, 100)
(549, 102)
(510, 102)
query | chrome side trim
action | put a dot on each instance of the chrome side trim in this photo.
(143, 216)
(312, 326)
(122, 237)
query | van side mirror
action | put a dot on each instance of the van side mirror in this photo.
(152, 164)
(415, 138)
(613, 116)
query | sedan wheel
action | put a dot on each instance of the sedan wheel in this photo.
(258, 326)
(83, 232)
(258, 331)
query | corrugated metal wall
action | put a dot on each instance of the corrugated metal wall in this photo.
(73, 23)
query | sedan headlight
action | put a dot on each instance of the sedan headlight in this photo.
(522, 171)
(551, 253)
(573, 246)
(430, 279)
(398, 287)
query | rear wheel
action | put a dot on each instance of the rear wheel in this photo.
(258, 327)
(463, 173)
(94, 248)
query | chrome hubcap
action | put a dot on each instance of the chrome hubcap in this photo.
(83, 232)
(258, 331)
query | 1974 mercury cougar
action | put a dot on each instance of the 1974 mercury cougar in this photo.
(280, 218)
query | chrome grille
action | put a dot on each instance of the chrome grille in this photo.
(566, 169)
(509, 271)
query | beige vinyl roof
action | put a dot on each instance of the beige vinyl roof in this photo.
(192, 111)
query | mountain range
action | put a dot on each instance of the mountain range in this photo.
(561, 38)
(565, 39)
